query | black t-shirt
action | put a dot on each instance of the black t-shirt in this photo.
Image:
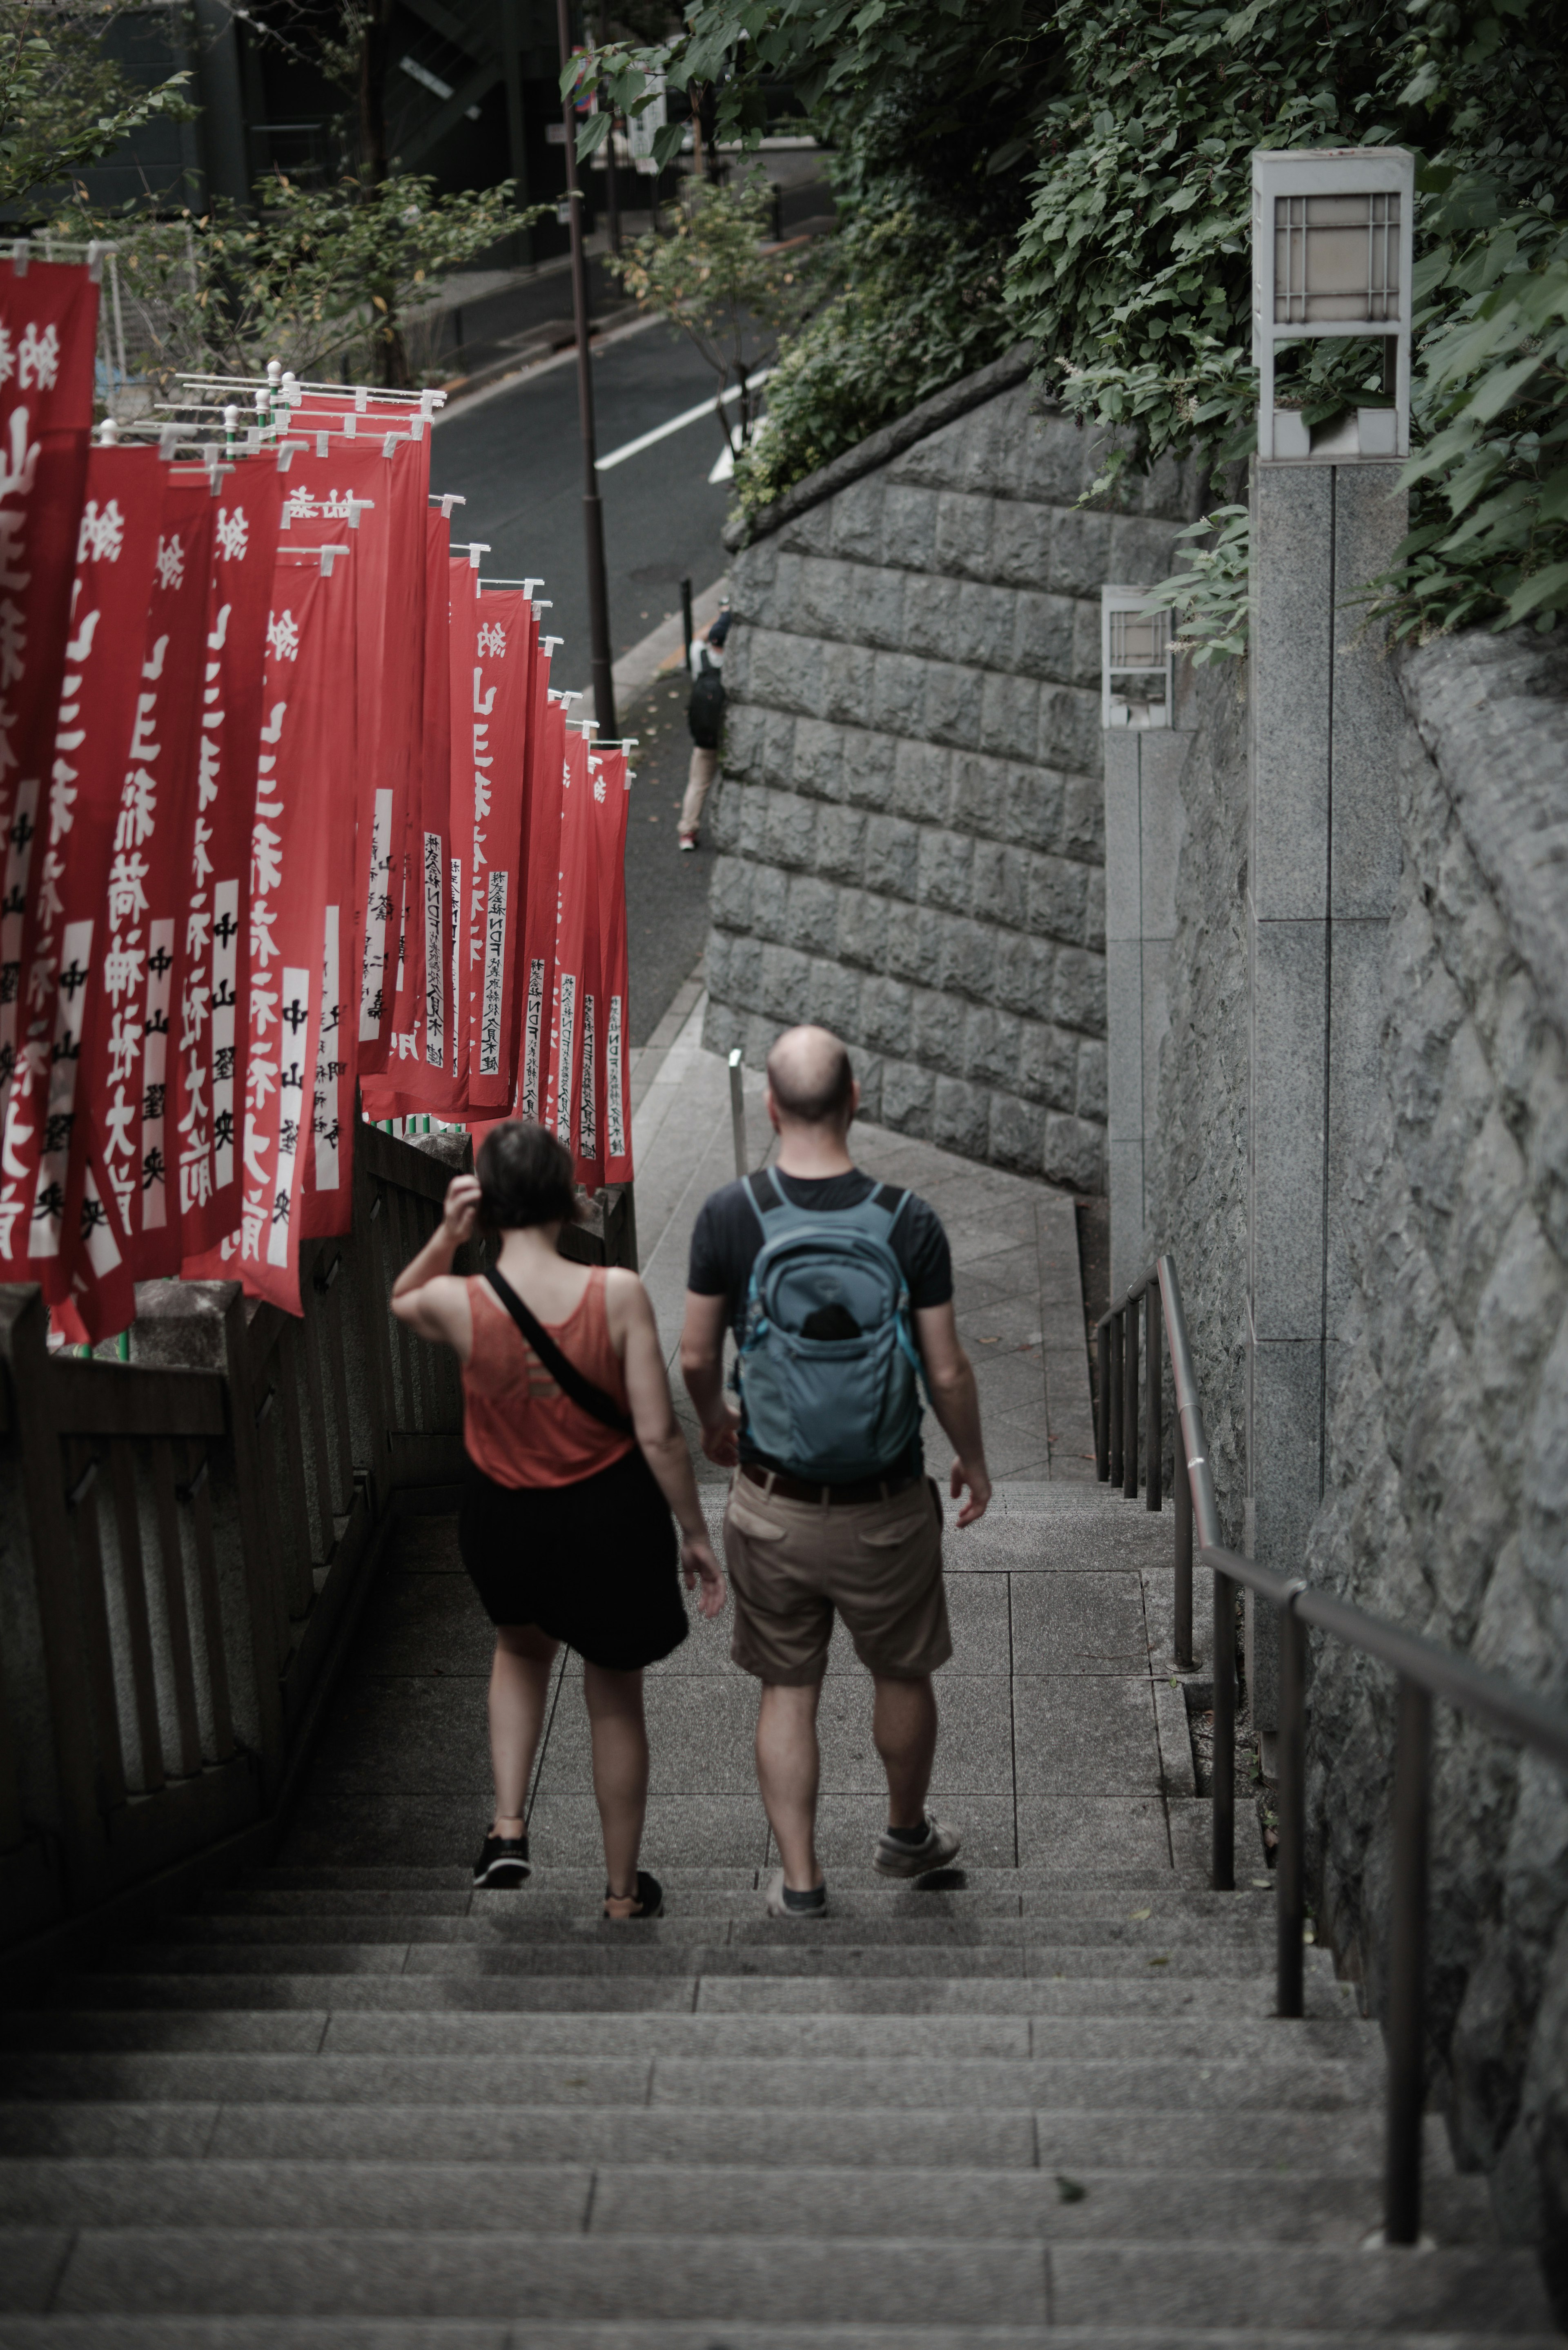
(728, 1235)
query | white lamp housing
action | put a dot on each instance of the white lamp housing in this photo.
(1137, 663)
(1332, 255)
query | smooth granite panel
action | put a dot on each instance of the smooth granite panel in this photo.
(1125, 1028)
(1292, 629)
(1162, 819)
(1289, 1087)
(1371, 516)
(1123, 834)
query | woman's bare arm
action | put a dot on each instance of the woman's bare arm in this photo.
(425, 1295)
(631, 1318)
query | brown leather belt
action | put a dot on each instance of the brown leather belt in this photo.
(795, 1489)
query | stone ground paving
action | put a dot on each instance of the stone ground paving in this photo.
(1063, 1741)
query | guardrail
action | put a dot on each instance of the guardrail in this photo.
(182, 1534)
(1424, 1671)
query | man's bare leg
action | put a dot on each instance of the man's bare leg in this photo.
(788, 1769)
(904, 1730)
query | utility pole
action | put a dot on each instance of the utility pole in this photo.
(593, 509)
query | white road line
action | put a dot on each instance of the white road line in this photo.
(676, 424)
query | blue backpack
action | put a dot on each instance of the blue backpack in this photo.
(827, 1371)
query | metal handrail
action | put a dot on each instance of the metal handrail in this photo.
(1425, 1671)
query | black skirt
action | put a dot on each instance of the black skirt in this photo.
(596, 1563)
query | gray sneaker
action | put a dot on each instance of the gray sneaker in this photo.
(894, 1858)
(785, 1903)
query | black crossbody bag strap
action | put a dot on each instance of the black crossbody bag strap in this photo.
(566, 1374)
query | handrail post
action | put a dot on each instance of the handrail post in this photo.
(1153, 1420)
(1183, 1564)
(1290, 1888)
(1129, 1399)
(1102, 1402)
(1222, 1873)
(1408, 1968)
(1116, 1398)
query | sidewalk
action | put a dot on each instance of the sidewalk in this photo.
(1014, 1244)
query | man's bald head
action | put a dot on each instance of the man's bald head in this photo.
(811, 1079)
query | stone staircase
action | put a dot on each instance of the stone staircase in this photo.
(347, 2105)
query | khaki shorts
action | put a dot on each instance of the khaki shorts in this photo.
(879, 1563)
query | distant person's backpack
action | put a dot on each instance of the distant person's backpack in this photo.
(705, 711)
(827, 1368)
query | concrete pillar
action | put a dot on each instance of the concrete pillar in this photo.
(1323, 871)
(1144, 824)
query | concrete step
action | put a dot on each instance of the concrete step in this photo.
(1322, 2208)
(925, 2280)
(1317, 2083)
(58, 2332)
(1228, 1999)
(703, 2037)
(548, 1899)
(588, 1883)
(928, 1922)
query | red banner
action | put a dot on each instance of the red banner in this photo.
(497, 727)
(62, 944)
(462, 585)
(576, 932)
(48, 320)
(214, 1011)
(120, 1149)
(537, 959)
(613, 1066)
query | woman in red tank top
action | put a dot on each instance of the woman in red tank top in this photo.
(575, 1462)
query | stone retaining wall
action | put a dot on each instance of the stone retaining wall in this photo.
(909, 830)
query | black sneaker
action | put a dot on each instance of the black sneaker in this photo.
(645, 1902)
(502, 1864)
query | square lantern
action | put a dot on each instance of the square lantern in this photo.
(1331, 257)
(1136, 662)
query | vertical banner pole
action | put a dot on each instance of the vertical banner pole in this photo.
(593, 509)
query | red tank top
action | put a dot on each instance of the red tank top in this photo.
(517, 1425)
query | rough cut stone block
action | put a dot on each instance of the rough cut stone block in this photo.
(738, 668)
(931, 616)
(1024, 973)
(1020, 546)
(1017, 1133)
(907, 1095)
(1010, 717)
(785, 985)
(857, 521)
(897, 698)
(1079, 997)
(1069, 733)
(723, 1026)
(952, 704)
(778, 748)
(999, 884)
(1143, 551)
(909, 525)
(1047, 1066)
(868, 761)
(811, 919)
(869, 1067)
(863, 928)
(818, 765)
(745, 725)
(874, 606)
(961, 1117)
(716, 962)
(841, 843)
(791, 834)
(1074, 1153)
(1051, 457)
(886, 1014)
(937, 1038)
(985, 625)
(722, 815)
(1092, 1081)
(810, 533)
(911, 941)
(846, 677)
(1032, 809)
(729, 893)
(785, 671)
(1083, 818)
(944, 869)
(745, 970)
(1085, 668)
(920, 781)
(834, 998)
(892, 855)
(991, 1045)
(967, 956)
(963, 535)
(1043, 637)
(1094, 911)
(1058, 894)
(757, 1039)
(810, 596)
(1080, 555)
(754, 823)
(752, 575)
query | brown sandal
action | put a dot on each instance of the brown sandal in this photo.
(645, 1902)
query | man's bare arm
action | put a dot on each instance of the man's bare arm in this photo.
(955, 1400)
(702, 1368)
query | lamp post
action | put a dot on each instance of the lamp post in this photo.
(1135, 661)
(592, 508)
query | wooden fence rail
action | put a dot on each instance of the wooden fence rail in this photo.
(180, 1535)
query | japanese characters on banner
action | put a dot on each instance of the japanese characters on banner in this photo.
(612, 790)
(576, 943)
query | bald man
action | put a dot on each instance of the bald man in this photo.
(870, 1550)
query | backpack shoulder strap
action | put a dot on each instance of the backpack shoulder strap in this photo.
(562, 1370)
(892, 1199)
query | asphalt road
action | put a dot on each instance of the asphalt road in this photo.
(516, 459)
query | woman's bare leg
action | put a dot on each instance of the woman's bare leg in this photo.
(620, 1769)
(519, 1692)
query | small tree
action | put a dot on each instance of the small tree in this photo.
(729, 291)
(63, 103)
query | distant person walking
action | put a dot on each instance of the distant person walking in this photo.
(705, 717)
(837, 1288)
(575, 1462)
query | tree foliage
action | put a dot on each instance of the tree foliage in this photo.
(62, 103)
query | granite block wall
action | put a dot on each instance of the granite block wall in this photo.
(908, 832)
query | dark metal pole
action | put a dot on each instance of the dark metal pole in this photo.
(1153, 1425)
(1183, 1564)
(516, 126)
(593, 509)
(1222, 1875)
(1102, 1402)
(1116, 1398)
(1408, 1968)
(1129, 1402)
(1290, 1891)
(686, 627)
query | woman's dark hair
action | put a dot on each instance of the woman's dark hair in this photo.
(525, 1178)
